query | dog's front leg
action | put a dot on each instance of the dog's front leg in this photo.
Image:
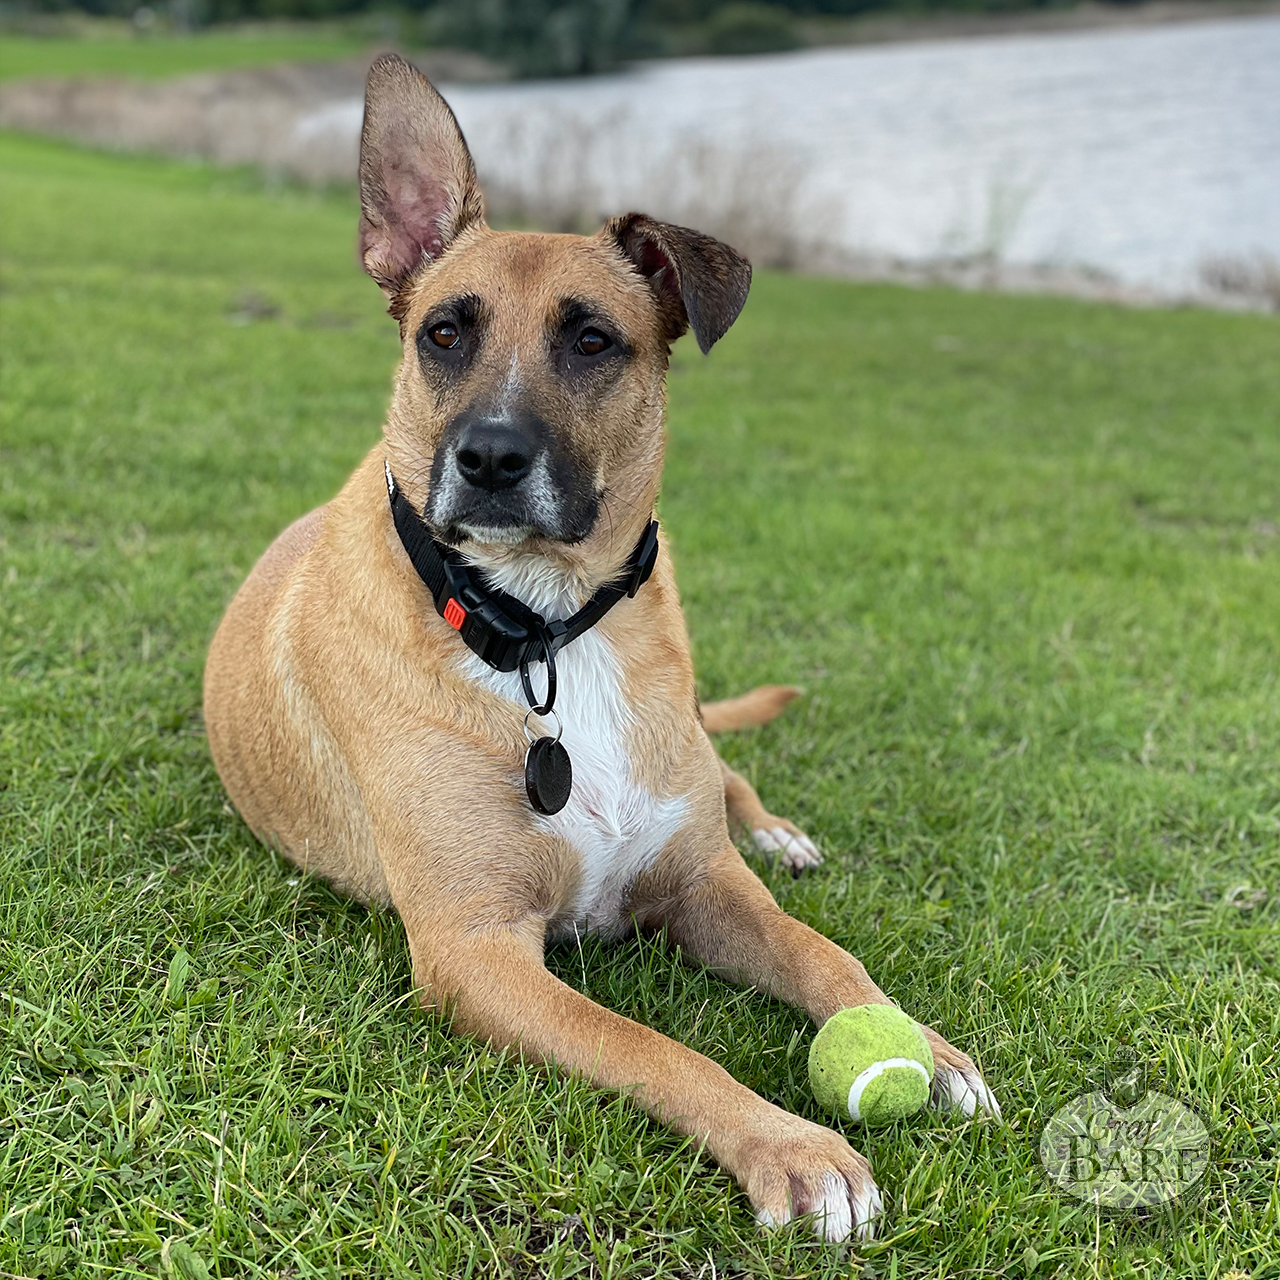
(728, 920)
(498, 988)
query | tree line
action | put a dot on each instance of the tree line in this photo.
(566, 37)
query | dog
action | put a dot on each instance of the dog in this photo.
(463, 687)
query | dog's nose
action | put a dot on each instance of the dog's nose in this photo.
(493, 455)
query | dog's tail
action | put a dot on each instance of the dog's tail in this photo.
(757, 707)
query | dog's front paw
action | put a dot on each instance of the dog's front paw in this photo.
(793, 847)
(956, 1081)
(795, 1169)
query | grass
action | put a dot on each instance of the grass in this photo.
(1024, 555)
(150, 56)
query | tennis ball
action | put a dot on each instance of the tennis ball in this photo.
(871, 1063)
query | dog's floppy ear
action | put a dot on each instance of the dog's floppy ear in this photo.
(418, 186)
(700, 283)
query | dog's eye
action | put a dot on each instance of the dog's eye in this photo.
(444, 335)
(592, 343)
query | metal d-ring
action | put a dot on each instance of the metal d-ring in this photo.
(542, 715)
(548, 656)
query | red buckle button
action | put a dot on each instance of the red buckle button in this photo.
(454, 614)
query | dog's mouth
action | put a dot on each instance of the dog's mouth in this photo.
(500, 527)
(510, 519)
(489, 534)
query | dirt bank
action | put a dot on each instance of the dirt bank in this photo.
(250, 116)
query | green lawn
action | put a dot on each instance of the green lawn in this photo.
(159, 55)
(1023, 553)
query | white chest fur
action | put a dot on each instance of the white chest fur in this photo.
(616, 827)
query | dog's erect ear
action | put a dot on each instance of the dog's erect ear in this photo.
(701, 284)
(418, 186)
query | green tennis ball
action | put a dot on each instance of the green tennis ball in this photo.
(871, 1064)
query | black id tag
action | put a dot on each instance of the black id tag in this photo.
(548, 776)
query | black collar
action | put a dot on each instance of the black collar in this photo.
(502, 630)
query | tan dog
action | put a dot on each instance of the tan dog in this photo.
(357, 732)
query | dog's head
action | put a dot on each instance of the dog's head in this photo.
(528, 408)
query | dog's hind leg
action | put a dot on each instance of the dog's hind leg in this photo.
(747, 816)
(769, 833)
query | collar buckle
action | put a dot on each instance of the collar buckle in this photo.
(500, 629)
(646, 557)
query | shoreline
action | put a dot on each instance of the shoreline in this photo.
(876, 29)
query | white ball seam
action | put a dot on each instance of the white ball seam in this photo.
(876, 1069)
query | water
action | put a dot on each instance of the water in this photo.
(1137, 153)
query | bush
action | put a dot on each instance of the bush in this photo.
(540, 37)
(751, 28)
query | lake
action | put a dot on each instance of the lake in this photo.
(1137, 153)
